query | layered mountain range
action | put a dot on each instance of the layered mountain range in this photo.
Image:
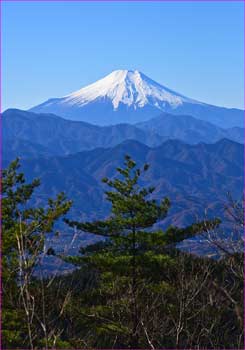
(31, 135)
(194, 149)
(196, 178)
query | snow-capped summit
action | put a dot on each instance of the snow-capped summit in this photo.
(129, 88)
(127, 96)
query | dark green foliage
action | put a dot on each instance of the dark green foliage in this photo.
(23, 235)
(133, 289)
(198, 304)
(133, 259)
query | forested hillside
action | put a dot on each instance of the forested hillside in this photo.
(134, 289)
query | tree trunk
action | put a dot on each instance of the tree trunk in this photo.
(134, 337)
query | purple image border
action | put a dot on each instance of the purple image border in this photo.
(104, 1)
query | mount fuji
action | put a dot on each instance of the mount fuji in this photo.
(127, 96)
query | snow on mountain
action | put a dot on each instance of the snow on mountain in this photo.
(127, 96)
(129, 88)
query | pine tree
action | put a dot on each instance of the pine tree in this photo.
(132, 258)
(24, 230)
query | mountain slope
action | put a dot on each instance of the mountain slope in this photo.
(31, 135)
(190, 129)
(194, 177)
(18, 148)
(52, 135)
(131, 97)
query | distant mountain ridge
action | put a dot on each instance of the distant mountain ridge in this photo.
(195, 177)
(207, 169)
(189, 129)
(127, 96)
(32, 135)
(54, 135)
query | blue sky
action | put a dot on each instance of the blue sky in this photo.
(50, 49)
